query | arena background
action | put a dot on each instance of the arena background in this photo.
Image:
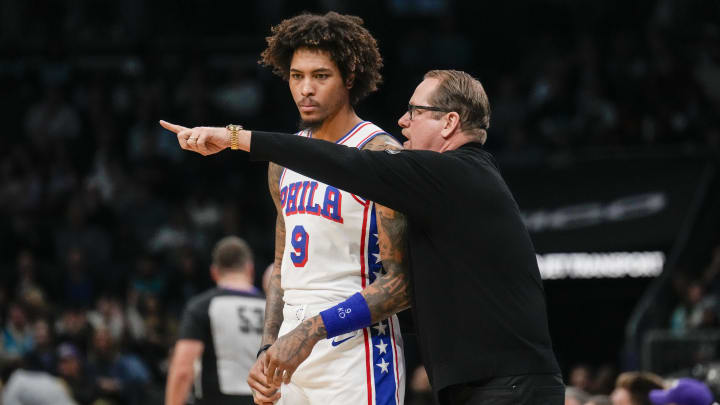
(605, 123)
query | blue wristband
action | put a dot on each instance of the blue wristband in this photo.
(347, 316)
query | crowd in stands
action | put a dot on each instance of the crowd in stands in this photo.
(605, 387)
(106, 224)
(698, 306)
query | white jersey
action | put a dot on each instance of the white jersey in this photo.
(331, 248)
(332, 252)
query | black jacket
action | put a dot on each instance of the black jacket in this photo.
(478, 300)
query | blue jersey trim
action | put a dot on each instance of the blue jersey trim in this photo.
(350, 132)
(374, 265)
(282, 176)
(371, 138)
(383, 363)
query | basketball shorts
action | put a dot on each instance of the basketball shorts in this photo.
(362, 367)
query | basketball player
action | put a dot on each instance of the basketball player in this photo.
(328, 241)
(222, 328)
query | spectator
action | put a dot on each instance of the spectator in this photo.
(108, 315)
(73, 326)
(580, 377)
(185, 279)
(26, 272)
(52, 118)
(77, 234)
(44, 352)
(30, 386)
(575, 396)
(696, 310)
(633, 388)
(17, 335)
(158, 332)
(172, 235)
(119, 377)
(599, 400)
(604, 380)
(79, 285)
(685, 391)
(148, 279)
(72, 371)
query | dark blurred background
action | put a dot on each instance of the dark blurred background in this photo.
(605, 122)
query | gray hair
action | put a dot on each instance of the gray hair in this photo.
(464, 94)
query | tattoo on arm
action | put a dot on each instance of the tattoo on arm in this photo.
(274, 300)
(307, 334)
(383, 142)
(390, 293)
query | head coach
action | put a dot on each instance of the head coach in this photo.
(478, 301)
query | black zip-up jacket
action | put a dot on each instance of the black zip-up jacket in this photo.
(478, 299)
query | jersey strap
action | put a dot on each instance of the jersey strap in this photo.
(357, 137)
(361, 134)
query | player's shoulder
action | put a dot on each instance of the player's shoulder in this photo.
(382, 141)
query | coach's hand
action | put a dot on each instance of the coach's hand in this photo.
(206, 140)
(286, 354)
(263, 392)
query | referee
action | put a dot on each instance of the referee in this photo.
(221, 327)
(478, 302)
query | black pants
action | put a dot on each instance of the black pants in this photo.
(529, 389)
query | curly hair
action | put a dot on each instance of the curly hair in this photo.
(349, 44)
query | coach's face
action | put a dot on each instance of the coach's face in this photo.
(423, 131)
(316, 86)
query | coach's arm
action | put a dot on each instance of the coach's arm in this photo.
(395, 179)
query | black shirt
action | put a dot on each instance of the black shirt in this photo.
(230, 324)
(478, 298)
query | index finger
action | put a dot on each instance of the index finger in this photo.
(270, 367)
(172, 127)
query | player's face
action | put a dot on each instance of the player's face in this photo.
(423, 131)
(316, 86)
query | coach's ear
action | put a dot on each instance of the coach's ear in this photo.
(350, 81)
(451, 123)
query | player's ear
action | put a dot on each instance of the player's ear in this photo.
(451, 123)
(350, 81)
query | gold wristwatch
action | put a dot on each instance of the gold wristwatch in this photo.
(234, 141)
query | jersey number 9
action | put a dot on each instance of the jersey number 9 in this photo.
(300, 240)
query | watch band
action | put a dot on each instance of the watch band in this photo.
(234, 141)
